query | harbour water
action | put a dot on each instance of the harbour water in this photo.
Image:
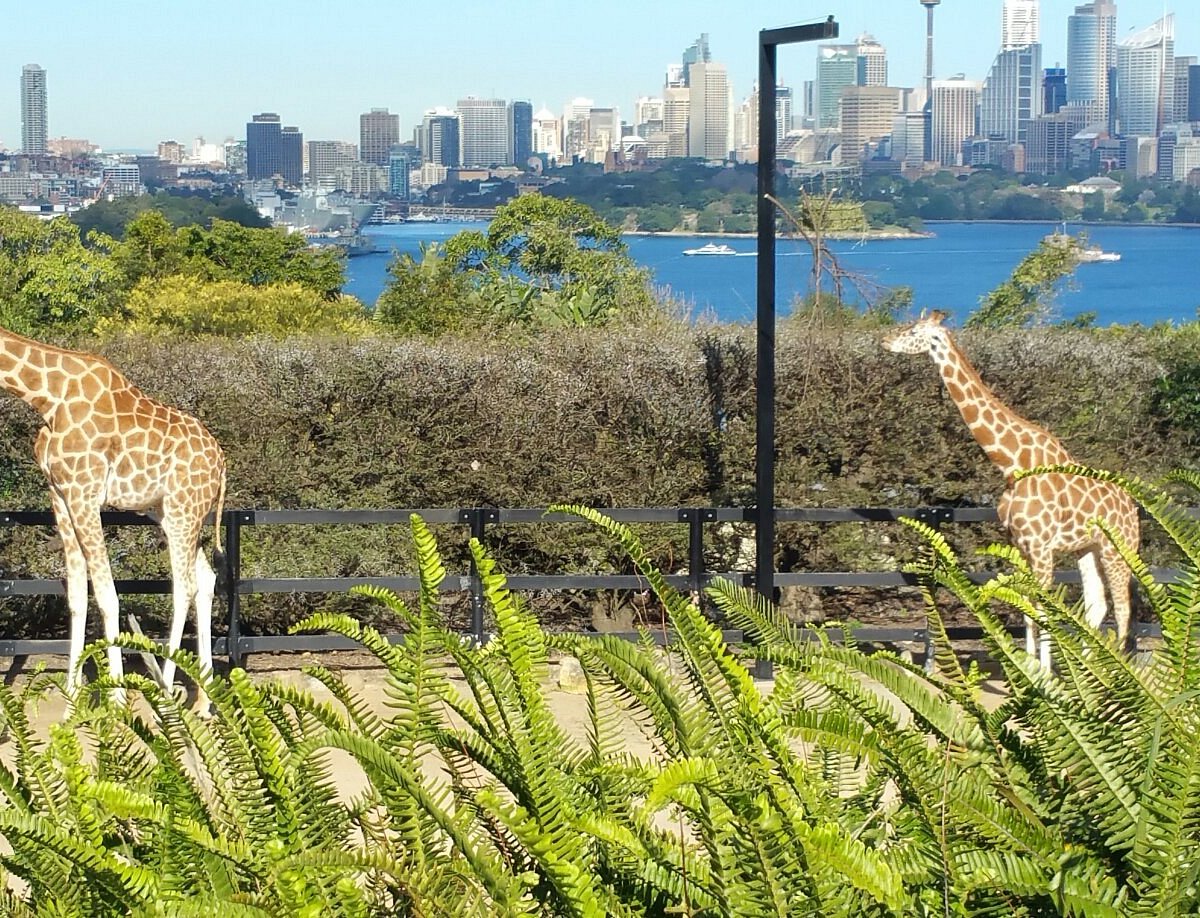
(1157, 278)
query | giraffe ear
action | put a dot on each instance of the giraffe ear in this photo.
(938, 316)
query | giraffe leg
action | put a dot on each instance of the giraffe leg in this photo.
(1042, 562)
(206, 586)
(1094, 605)
(77, 594)
(181, 545)
(90, 533)
(1116, 575)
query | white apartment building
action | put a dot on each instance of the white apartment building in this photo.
(708, 111)
(1146, 79)
(483, 131)
(954, 105)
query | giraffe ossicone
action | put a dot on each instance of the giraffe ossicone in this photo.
(106, 443)
(1044, 514)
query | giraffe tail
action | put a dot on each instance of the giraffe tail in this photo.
(218, 551)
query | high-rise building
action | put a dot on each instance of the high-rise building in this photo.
(784, 111)
(483, 131)
(1193, 111)
(520, 130)
(708, 111)
(438, 138)
(929, 7)
(603, 133)
(872, 62)
(273, 150)
(908, 138)
(648, 116)
(1146, 79)
(696, 53)
(171, 151)
(1020, 25)
(676, 110)
(325, 157)
(867, 116)
(547, 135)
(399, 168)
(954, 105)
(577, 128)
(378, 132)
(1011, 97)
(1092, 57)
(1183, 88)
(34, 129)
(837, 68)
(1054, 89)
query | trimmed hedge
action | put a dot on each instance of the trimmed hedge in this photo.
(609, 418)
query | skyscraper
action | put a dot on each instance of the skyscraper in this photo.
(438, 138)
(867, 115)
(547, 135)
(697, 53)
(273, 150)
(1183, 88)
(837, 68)
(1054, 89)
(520, 130)
(929, 5)
(708, 111)
(483, 131)
(872, 62)
(1020, 26)
(1146, 79)
(33, 109)
(399, 167)
(1091, 57)
(378, 132)
(954, 104)
(1011, 97)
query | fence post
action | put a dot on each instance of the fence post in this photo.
(476, 518)
(233, 579)
(933, 517)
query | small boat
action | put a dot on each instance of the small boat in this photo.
(1084, 252)
(711, 248)
(421, 217)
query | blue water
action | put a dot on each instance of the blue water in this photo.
(1157, 278)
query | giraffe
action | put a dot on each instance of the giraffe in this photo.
(1043, 514)
(104, 442)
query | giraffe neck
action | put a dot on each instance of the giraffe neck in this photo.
(1010, 441)
(33, 372)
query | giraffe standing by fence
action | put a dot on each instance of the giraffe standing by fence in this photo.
(1044, 514)
(106, 443)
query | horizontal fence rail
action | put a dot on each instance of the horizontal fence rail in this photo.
(477, 521)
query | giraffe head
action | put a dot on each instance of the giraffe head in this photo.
(925, 336)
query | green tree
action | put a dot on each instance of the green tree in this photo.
(428, 296)
(230, 251)
(1027, 295)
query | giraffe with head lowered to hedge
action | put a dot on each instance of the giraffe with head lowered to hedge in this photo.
(1044, 514)
(105, 443)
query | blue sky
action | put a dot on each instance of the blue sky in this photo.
(129, 74)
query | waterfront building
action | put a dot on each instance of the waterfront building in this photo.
(1146, 79)
(837, 68)
(34, 120)
(708, 111)
(438, 138)
(1092, 56)
(362, 180)
(325, 157)
(1020, 24)
(867, 115)
(520, 130)
(378, 132)
(274, 150)
(399, 167)
(483, 132)
(1054, 89)
(1011, 97)
(954, 118)
(871, 62)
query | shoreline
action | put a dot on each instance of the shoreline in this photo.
(865, 234)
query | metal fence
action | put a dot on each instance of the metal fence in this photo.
(477, 521)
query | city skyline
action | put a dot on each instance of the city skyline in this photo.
(178, 75)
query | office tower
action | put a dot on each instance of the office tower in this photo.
(908, 138)
(483, 132)
(648, 115)
(872, 62)
(1011, 97)
(867, 116)
(1146, 79)
(171, 151)
(1050, 139)
(576, 128)
(378, 132)
(837, 68)
(954, 104)
(520, 131)
(708, 111)
(438, 138)
(1183, 88)
(33, 109)
(676, 110)
(1193, 111)
(929, 5)
(1091, 57)
(1020, 24)
(1054, 89)
(697, 53)
(547, 135)
(273, 150)
(325, 157)
(783, 111)
(399, 168)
